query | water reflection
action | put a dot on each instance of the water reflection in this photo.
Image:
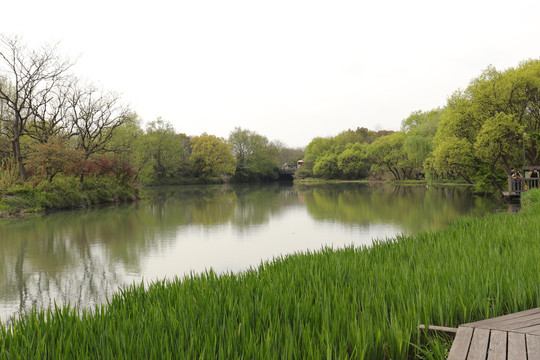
(413, 208)
(82, 257)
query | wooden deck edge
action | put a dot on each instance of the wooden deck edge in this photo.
(432, 330)
(511, 194)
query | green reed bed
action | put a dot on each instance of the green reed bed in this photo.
(348, 303)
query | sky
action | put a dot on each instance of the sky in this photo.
(289, 70)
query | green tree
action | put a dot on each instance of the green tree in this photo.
(185, 168)
(454, 157)
(497, 143)
(360, 135)
(387, 154)
(165, 150)
(420, 129)
(489, 119)
(353, 161)
(342, 156)
(253, 156)
(211, 157)
(326, 166)
(130, 146)
(317, 148)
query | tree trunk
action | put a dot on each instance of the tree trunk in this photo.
(18, 154)
(494, 179)
(396, 175)
(465, 177)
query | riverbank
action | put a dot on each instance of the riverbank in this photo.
(310, 181)
(350, 303)
(333, 181)
(64, 192)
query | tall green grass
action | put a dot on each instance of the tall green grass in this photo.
(345, 304)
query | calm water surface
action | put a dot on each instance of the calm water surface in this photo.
(84, 256)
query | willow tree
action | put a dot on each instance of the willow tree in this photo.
(387, 154)
(485, 127)
(420, 129)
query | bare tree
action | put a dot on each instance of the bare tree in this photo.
(5, 145)
(51, 119)
(94, 116)
(27, 80)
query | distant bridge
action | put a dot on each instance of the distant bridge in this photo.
(286, 173)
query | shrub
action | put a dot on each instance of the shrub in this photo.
(9, 175)
(530, 201)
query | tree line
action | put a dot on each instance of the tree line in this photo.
(160, 155)
(481, 133)
(363, 153)
(53, 123)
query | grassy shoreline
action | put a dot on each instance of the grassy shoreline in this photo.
(310, 181)
(64, 192)
(346, 303)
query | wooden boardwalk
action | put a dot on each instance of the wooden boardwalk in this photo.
(509, 337)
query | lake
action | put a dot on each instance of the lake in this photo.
(82, 257)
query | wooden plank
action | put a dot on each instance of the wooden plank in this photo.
(479, 345)
(516, 323)
(517, 315)
(516, 346)
(528, 323)
(503, 318)
(460, 347)
(432, 330)
(513, 336)
(533, 330)
(533, 347)
(497, 345)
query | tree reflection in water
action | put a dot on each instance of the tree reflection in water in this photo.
(82, 257)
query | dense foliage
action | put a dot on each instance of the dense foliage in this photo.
(345, 156)
(491, 126)
(363, 153)
(482, 133)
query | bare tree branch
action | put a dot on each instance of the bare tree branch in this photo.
(29, 79)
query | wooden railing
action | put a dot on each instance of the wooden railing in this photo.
(522, 184)
(290, 170)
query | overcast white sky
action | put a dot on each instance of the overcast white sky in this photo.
(289, 70)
